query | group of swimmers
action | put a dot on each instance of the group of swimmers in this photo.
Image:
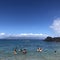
(24, 51)
(39, 49)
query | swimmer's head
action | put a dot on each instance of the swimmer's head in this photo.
(55, 51)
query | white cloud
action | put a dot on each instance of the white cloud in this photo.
(56, 25)
(3, 35)
(31, 35)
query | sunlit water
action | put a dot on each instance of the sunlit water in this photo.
(48, 53)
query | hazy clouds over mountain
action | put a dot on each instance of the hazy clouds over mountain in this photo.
(23, 36)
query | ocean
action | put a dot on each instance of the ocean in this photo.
(50, 50)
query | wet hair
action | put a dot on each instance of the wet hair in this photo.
(24, 49)
(55, 51)
(14, 49)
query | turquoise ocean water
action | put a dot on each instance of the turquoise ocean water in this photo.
(48, 53)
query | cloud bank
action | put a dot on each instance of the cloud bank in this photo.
(3, 35)
(31, 35)
(56, 26)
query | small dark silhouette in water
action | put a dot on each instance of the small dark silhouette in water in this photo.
(55, 51)
(24, 51)
(20, 50)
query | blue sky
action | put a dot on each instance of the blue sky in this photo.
(28, 16)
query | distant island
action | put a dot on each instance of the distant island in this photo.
(50, 39)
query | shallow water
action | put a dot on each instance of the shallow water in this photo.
(48, 52)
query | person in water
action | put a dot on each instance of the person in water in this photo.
(39, 50)
(55, 51)
(24, 51)
(20, 50)
(15, 52)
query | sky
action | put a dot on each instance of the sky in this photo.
(30, 17)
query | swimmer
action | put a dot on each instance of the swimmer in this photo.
(24, 51)
(15, 52)
(20, 50)
(39, 50)
(55, 51)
